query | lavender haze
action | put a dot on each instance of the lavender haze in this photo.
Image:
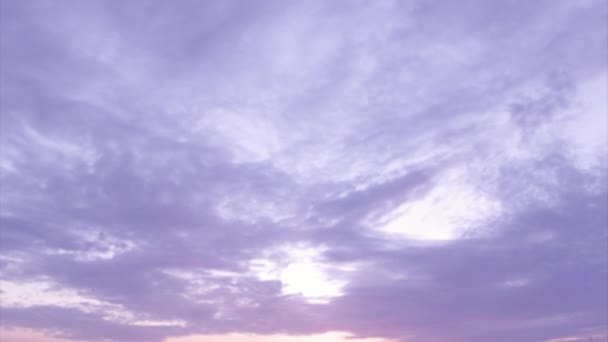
(303, 171)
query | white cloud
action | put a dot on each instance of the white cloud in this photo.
(444, 213)
(24, 294)
(95, 246)
(303, 272)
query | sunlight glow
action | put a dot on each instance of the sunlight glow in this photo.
(309, 280)
(326, 337)
(301, 271)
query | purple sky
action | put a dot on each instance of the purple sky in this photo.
(304, 171)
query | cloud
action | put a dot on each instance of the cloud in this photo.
(394, 171)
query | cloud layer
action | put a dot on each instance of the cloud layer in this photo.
(395, 170)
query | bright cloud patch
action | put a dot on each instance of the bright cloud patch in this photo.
(444, 213)
(302, 272)
(43, 293)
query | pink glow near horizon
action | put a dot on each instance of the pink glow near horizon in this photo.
(327, 337)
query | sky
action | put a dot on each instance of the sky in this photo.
(303, 171)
